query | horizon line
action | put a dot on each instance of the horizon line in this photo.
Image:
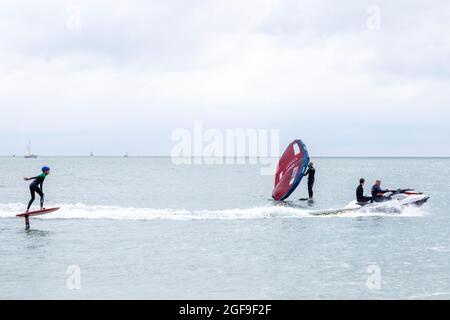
(218, 157)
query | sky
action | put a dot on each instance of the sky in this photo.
(358, 78)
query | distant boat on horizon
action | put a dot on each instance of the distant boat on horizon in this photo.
(92, 154)
(29, 155)
(126, 155)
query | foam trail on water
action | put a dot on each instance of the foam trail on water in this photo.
(403, 212)
(81, 211)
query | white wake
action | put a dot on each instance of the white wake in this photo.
(82, 211)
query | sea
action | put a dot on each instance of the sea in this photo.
(154, 228)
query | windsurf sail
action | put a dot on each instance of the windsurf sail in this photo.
(290, 170)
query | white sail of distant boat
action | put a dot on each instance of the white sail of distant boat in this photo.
(29, 155)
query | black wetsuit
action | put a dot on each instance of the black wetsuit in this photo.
(311, 173)
(36, 187)
(376, 191)
(360, 195)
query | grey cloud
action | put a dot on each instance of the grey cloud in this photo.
(162, 64)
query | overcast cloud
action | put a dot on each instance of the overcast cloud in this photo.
(137, 70)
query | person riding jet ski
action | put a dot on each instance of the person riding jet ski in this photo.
(378, 193)
(360, 197)
(386, 200)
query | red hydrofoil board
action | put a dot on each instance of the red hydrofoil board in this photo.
(291, 169)
(37, 213)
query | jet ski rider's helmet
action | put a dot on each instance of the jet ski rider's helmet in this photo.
(45, 168)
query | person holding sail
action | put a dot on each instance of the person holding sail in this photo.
(311, 173)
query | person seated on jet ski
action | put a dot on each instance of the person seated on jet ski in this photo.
(360, 192)
(378, 193)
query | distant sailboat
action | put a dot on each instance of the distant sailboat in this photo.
(126, 155)
(92, 154)
(29, 155)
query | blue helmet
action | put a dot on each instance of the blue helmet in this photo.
(45, 168)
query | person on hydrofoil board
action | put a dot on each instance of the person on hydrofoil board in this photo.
(311, 173)
(378, 193)
(37, 187)
(360, 197)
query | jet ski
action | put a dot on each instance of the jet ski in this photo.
(393, 201)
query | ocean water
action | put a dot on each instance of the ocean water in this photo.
(146, 228)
